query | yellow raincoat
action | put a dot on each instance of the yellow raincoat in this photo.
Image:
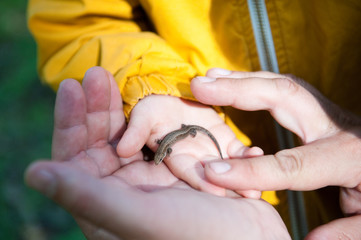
(158, 46)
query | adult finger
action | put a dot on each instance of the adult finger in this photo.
(96, 85)
(224, 73)
(344, 228)
(307, 167)
(70, 132)
(291, 104)
(98, 96)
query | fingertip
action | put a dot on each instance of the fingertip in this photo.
(205, 79)
(253, 152)
(70, 104)
(216, 172)
(234, 174)
(252, 194)
(95, 70)
(199, 80)
(68, 90)
(198, 86)
(219, 167)
(216, 72)
(96, 76)
(29, 172)
(130, 143)
(204, 90)
(68, 84)
(237, 150)
(39, 177)
(94, 81)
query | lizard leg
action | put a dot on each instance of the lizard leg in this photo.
(193, 132)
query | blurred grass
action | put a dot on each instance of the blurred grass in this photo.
(26, 123)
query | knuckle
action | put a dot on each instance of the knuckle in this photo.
(286, 86)
(289, 162)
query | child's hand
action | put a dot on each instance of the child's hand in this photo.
(156, 115)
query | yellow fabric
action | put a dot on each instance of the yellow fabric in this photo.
(271, 197)
(73, 36)
(315, 40)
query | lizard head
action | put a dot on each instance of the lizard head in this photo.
(158, 158)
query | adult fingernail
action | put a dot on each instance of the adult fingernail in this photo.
(206, 79)
(43, 181)
(221, 71)
(220, 167)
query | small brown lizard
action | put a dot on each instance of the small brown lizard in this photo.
(171, 138)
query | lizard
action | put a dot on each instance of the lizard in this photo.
(171, 138)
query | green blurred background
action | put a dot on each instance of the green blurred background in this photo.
(25, 135)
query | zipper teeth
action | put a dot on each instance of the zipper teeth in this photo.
(263, 36)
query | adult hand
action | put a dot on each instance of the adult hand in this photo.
(138, 200)
(156, 115)
(330, 155)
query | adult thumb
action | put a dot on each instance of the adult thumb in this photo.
(303, 168)
(87, 197)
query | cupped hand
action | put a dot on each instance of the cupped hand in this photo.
(109, 208)
(113, 200)
(332, 142)
(156, 115)
(88, 124)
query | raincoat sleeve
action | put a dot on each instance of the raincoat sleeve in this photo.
(73, 36)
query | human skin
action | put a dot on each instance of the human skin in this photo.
(156, 115)
(331, 151)
(118, 198)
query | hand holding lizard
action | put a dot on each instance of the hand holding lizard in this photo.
(138, 200)
(155, 116)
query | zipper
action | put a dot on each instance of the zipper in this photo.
(268, 61)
